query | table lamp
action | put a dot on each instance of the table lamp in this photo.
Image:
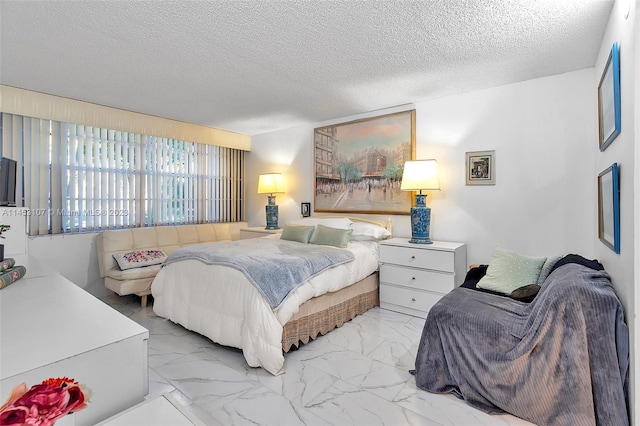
(271, 183)
(420, 175)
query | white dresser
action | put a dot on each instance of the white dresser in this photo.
(50, 327)
(413, 277)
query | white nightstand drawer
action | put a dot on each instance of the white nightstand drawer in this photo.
(418, 258)
(412, 299)
(437, 282)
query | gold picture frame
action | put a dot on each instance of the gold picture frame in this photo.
(359, 164)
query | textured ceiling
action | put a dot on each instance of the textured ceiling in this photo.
(254, 66)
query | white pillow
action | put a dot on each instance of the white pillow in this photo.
(363, 231)
(331, 222)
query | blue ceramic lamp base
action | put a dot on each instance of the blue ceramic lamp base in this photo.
(272, 213)
(420, 221)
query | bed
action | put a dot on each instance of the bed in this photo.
(222, 302)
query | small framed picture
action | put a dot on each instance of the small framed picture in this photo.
(305, 209)
(609, 119)
(481, 168)
(609, 207)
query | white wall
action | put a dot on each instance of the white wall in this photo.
(635, 331)
(624, 30)
(285, 154)
(621, 150)
(543, 133)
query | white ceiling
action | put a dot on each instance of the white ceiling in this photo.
(257, 66)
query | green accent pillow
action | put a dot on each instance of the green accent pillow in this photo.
(508, 271)
(298, 233)
(331, 236)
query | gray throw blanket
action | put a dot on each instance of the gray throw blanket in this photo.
(561, 360)
(275, 267)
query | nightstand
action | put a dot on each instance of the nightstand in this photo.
(257, 231)
(413, 277)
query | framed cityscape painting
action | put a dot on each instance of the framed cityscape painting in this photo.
(359, 164)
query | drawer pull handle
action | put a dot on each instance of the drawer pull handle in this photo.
(413, 299)
(413, 278)
(413, 258)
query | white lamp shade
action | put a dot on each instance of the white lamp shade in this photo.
(270, 183)
(420, 175)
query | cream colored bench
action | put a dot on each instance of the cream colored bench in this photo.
(167, 238)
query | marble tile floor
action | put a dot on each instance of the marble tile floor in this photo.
(355, 375)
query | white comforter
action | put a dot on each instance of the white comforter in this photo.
(220, 303)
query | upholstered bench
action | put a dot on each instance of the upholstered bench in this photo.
(137, 242)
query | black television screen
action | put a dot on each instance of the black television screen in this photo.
(8, 182)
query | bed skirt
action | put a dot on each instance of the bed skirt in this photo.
(320, 315)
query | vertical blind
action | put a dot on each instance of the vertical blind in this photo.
(76, 178)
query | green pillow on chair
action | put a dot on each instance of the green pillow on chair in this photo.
(509, 271)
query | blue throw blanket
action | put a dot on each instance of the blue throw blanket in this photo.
(275, 267)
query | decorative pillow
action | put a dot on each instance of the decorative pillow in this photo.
(327, 236)
(508, 271)
(139, 258)
(298, 233)
(331, 222)
(547, 267)
(11, 275)
(526, 293)
(368, 232)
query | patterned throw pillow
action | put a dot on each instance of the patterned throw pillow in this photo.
(11, 275)
(139, 258)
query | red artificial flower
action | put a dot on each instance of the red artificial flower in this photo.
(43, 404)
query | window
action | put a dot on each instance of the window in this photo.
(79, 178)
